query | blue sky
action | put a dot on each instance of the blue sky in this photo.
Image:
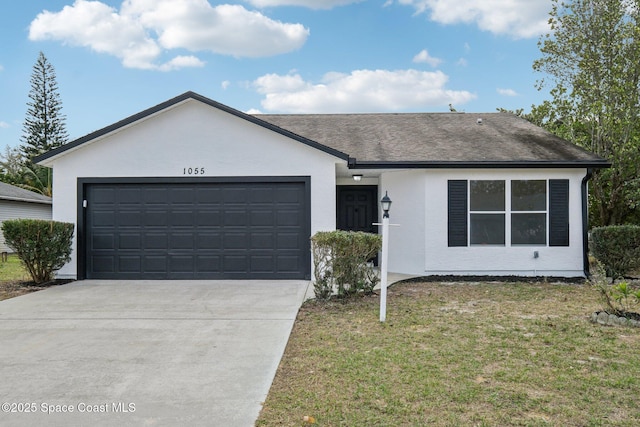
(114, 58)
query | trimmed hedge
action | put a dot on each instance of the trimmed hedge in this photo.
(617, 247)
(340, 260)
(42, 246)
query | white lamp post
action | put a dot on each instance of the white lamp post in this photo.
(386, 204)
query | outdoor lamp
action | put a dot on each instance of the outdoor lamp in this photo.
(386, 204)
(357, 177)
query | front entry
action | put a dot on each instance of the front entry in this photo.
(357, 208)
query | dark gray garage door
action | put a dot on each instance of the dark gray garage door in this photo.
(197, 230)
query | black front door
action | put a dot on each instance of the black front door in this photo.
(357, 208)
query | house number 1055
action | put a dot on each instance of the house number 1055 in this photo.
(193, 171)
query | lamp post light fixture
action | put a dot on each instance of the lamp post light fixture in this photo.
(386, 205)
(385, 202)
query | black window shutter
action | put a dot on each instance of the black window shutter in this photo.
(457, 213)
(559, 212)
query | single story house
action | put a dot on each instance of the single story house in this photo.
(194, 189)
(16, 203)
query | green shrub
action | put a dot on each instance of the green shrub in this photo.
(42, 246)
(340, 260)
(621, 299)
(617, 247)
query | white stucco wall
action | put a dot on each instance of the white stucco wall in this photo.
(419, 245)
(194, 135)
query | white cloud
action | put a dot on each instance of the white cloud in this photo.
(359, 91)
(4, 125)
(1, 67)
(142, 30)
(311, 4)
(518, 18)
(424, 57)
(507, 92)
(462, 62)
(225, 84)
(181, 62)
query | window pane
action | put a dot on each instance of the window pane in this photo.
(529, 229)
(487, 195)
(487, 229)
(529, 195)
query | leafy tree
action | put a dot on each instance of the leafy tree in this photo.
(592, 58)
(10, 165)
(44, 127)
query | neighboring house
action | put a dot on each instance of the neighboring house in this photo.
(16, 202)
(193, 189)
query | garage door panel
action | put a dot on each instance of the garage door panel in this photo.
(288, 218)
(208, 218)
(102, 241)
(103, 219)
(181, 263)
(234, 217)
(209, 241)
(104, 195)
(130, 196)
(209, 196)
(235, 241)
(208, 263)
(262, 218)
(155, 196)
(181, 241)
(263, 240)
(155, 218)
(235, 263)
(155, 263)
(182, 195)
(261, 195)
(103, 264)
(130, 241)
(288, 240)
(128, 219)
(263, 263)
(288, 194)
(236, 194)
(197, 230)
(288, 263)
(182, 218)
(130, 263)
(156, 241)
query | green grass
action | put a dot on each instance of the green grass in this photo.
(12, 270)
(459, 354)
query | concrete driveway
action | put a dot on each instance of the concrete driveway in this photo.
(145, 353)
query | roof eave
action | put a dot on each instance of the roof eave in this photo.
(528, 164)
(19, 199)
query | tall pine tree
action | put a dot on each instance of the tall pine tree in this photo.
(44, 126)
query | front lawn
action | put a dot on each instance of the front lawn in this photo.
(490, 354)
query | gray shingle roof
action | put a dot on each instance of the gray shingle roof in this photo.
(11, 192)
(399, 140)
(424, 139)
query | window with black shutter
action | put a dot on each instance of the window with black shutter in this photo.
(477, 212)
(457, 213)
(559, 212)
